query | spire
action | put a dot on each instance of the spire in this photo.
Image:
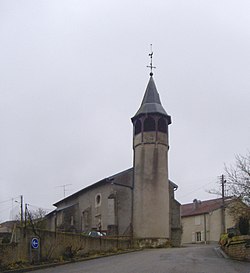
(151, 103)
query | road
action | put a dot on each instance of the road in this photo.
(192, 259)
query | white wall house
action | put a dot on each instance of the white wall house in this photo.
(204, 221)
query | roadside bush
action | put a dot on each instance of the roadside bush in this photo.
(68, 253)
(223, 239)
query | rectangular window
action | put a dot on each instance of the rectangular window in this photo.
(197, 220)
(198, 236)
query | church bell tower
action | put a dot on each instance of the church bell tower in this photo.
(151, 211)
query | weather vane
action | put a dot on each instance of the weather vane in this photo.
(151, 61)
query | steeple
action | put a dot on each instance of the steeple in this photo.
(151, 103)
(151, 192)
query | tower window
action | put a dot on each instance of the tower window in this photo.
(162, 126)
(137, 127)
(149, 124)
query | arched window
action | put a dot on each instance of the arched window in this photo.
(162, 126)
(98, 200)
(149, 124)
(137, 127)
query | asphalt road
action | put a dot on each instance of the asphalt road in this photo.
(192, 259)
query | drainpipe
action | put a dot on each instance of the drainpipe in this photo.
(205, 229)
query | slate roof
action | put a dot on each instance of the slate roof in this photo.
(202, 207)
(109, 180)
(151, 103)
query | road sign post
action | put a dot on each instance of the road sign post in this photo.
(35, 243)
(34, 250)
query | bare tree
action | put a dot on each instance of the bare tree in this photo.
(238, 185)
(38, 214)
(34, 217)
(238, 178)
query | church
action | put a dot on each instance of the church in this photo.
(138, 202)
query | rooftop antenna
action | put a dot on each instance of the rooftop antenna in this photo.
(64, 188)
(151, 61)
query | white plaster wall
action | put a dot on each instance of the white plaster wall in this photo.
(213, 226)
(190, 226)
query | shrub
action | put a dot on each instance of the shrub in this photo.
(223, 239)
(244, 225)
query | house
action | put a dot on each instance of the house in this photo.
(204, 221)
(138, 202)
(6, 229)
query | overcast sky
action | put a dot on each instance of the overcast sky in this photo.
(73, 73)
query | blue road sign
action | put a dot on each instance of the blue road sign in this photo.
(35, 243)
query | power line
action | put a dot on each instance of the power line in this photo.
(5, 201)
(38, 207)
(5, 209)
(8, 200)
(195, 190)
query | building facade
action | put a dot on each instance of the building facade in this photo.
(205, 221)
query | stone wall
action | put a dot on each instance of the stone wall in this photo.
(8, 254)
(176, 237)
(55, 246)
(176, 231)
(239, 249)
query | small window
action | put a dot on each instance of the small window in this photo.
(162, 126)
(198, 236)
(137, 127)
(149, 124)
(98, 200)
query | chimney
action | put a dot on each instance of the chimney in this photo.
(196, 203)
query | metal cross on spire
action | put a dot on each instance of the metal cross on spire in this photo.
(151, 61)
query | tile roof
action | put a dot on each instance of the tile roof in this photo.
(201, 207)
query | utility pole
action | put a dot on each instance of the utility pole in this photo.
(26, 210)
(223, 224)
(25, 219)
(21, 210)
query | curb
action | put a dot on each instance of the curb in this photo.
(50, 265)
(220, 252)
